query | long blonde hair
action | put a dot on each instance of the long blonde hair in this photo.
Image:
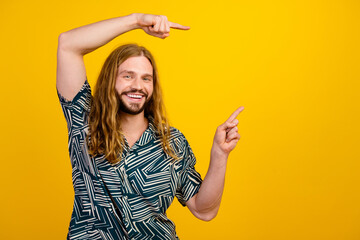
(106, 136)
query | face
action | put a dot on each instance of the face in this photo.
(134, 84)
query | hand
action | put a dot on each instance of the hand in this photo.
(227, 136)
(157, 25)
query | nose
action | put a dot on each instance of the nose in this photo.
(137, 83)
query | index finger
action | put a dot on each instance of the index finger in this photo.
(234, 115)
(178, 26)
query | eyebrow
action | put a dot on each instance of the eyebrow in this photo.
(132, 72)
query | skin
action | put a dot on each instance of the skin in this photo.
(76, 43)
(206, 203)
(134, 77)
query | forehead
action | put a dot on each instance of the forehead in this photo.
(138, 64)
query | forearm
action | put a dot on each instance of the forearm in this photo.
(87, 38)
(209, 196)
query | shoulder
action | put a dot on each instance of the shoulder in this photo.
(178, 140)
(176, 134)
(182, 148)
(81, 101)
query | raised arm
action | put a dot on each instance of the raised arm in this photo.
(75, 43)
(206, 203)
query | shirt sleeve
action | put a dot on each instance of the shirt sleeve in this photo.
(76, 110)
(189, 179)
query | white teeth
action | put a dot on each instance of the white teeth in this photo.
(134, 96)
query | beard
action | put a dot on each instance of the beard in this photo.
(133, 108)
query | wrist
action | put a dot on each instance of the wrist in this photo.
(218, 156)
(217, 153)
(134, 20)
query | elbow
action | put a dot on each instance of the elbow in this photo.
(207, 216)
(61, 41)
(65, 43)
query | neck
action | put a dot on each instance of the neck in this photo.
(133, 124)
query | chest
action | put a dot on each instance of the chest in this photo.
(131, 140)
(144, 171)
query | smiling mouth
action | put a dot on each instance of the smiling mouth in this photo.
(134, 97)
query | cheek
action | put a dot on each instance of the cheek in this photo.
(120, 86)
(150, 89)
(117, 85)
(118, 89)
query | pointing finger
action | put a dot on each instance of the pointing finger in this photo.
(178, 26)
(234, 115)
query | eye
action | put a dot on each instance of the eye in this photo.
(127, 76)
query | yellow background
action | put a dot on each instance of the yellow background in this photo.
(293, 65)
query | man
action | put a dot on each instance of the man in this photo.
(128, 163)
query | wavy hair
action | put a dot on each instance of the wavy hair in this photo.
(105, 133)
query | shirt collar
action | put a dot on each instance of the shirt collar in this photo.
(149, 133)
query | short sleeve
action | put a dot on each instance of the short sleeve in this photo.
(189, 179)
(76, 110)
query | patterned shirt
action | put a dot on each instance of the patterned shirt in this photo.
(127, 200)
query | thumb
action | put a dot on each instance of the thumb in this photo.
(226, 125)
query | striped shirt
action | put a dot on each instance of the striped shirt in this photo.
(127, 200)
